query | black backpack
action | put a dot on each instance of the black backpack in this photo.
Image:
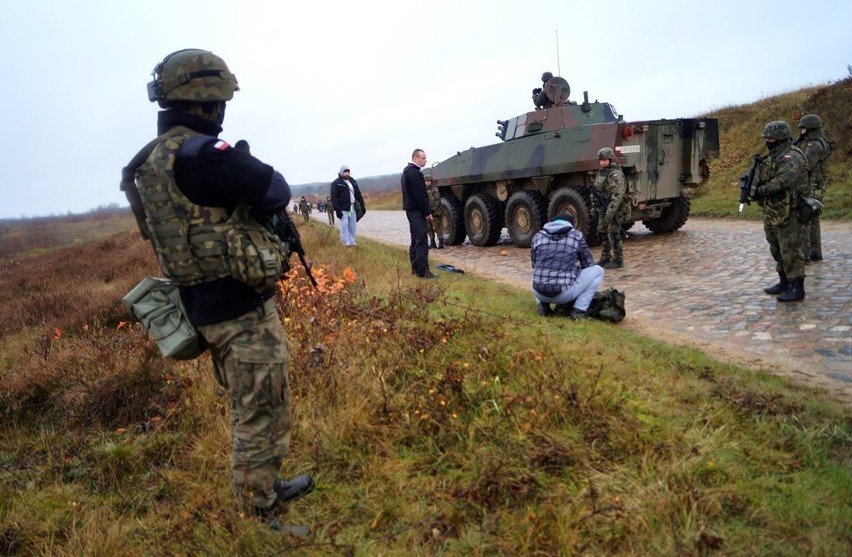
(608, 305)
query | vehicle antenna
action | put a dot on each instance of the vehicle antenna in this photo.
(558, 68)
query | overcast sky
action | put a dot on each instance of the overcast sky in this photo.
(363, 83)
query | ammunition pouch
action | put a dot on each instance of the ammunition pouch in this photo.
(809, 209)
(256, 256)
(156, 304)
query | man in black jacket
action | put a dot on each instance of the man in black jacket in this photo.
(416, 205)
(345, 197)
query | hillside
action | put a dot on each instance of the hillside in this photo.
(740, 128)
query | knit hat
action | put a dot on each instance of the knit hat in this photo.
(567, 217)
(343, 169)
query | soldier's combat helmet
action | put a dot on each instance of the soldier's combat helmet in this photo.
(192, 75)
(545, 76)
(606, 153)
(810, 121)
(777, 130)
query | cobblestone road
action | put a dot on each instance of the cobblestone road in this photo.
(702, 287)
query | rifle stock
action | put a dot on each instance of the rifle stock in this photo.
(748, 182)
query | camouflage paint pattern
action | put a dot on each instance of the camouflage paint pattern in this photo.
(195, 75)
(551, 149)
(250, 361)
(197, 244)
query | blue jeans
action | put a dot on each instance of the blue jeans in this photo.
(347, 228)
(581, 292)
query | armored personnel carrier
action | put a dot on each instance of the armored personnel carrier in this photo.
(547, 162)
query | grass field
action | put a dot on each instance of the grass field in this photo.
(437, 417)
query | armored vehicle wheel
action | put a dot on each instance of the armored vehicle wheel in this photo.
(483, 219)
(452, 220)
(673, 217)
(569, 200)
(526, 213)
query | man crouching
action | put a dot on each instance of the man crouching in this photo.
(564, 270)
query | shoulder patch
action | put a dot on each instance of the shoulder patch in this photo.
(221, 145)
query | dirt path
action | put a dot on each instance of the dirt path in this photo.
(702, 287)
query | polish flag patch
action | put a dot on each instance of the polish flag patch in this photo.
(221, 145)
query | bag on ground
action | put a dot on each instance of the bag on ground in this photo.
(608, 305)
(156, 304)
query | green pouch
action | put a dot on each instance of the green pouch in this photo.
(155, 302)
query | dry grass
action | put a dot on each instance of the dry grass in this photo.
(437, 418)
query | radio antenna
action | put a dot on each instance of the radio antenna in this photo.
(558, 68)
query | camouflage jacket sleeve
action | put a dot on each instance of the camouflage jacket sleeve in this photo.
(813, 153)
(790, 170)
(618, 187)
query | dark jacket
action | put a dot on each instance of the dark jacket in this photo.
(414, 196)
(339, 193)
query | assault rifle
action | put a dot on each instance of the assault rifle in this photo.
(748, 182)
(603, 201)
(282, 226)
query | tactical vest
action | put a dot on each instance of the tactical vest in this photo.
(609, 192)
(777, 208)
(197, 244)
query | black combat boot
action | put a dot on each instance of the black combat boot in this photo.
(440, 244)
(779, 288)
(577, 314)
(544, 309)
(795, 292)
(614, 264)
(432, 244)
(605, 258)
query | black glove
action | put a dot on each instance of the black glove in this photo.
(759, 192)
(339, 214)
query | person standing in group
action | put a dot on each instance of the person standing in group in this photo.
(611, 207)
(782, 175)
(329, 209)
(304, 208)
(344, 195)
(433, 225)
(199, 199)
(417, 211)
(817, 149)
(564, 270)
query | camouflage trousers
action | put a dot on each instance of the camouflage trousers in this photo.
(250, 359)
(611, 240)
(785, 245)
(433, 229)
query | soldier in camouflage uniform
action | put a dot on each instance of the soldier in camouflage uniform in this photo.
(199, 197)
(433, 227)
(783, 174)
(329, 208)
(304, 208)
(817, 149)
(611, 207)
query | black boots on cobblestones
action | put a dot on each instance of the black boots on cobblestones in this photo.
(795, 292)
(782, 286)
